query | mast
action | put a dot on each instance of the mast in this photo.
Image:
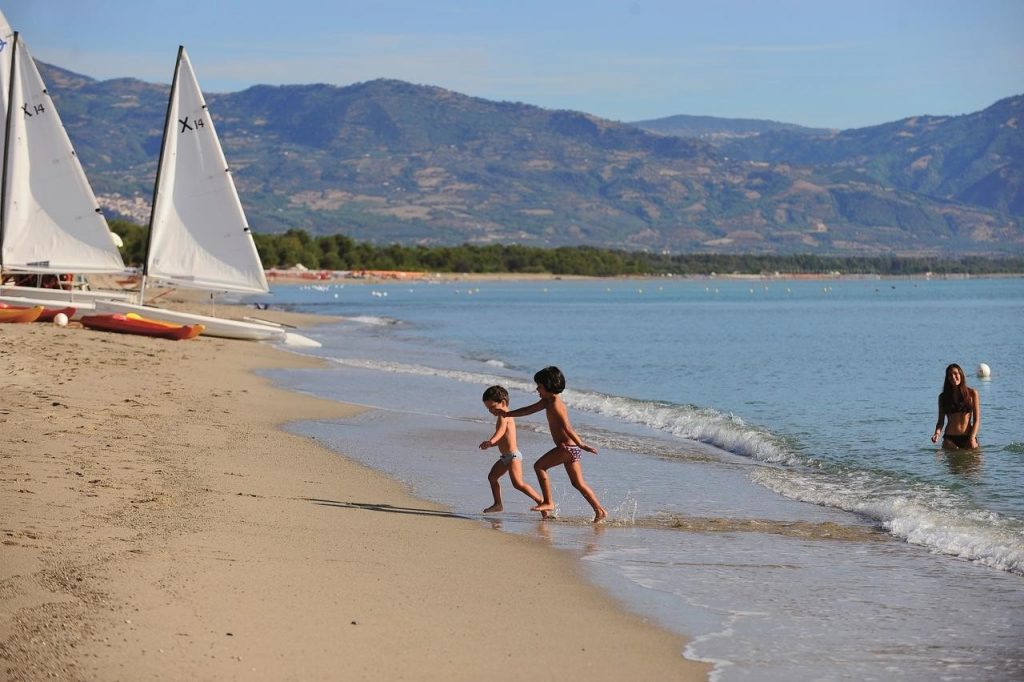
(159, 168)
(7, 149)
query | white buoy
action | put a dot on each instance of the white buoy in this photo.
(60, 319)
(984, 371)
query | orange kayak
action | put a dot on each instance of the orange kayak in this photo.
(46, 316)
(21, 314)
(135, 324)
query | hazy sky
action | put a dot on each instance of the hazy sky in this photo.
(827, 63)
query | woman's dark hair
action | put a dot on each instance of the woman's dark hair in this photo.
(956, 398)
(551, 379)
(496, 394)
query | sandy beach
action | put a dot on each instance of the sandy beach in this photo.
(157, 524)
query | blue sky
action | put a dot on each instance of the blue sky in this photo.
(826, 63)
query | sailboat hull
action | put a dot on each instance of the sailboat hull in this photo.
(65, 296)
(51, 308)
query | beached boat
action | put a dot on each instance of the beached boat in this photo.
(136, 324)
(68, 296)
(47, 314)
(8, 315)
(50, 221)
(198, 234)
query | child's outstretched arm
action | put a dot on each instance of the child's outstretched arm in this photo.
(523, 411)
(500, 427)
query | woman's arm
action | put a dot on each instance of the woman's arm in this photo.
(938, 422)
(977, 417)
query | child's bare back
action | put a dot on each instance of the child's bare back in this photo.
(568, 445)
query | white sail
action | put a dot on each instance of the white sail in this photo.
(198, 233)
(50, 220)
(6, 49)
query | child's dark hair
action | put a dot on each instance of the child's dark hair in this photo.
(551, 378)
(496, 394)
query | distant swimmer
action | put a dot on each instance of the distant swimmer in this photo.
(510, 460)
(568, 445)
(959, 410)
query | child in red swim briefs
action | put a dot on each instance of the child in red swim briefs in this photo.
(568, 445)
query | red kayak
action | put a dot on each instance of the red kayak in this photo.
(50, 313)
(134, 324)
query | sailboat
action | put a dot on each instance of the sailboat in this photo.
(198, 234)
(50, 221)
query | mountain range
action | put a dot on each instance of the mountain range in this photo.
(389, 161)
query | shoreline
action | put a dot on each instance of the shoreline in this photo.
(448, 277)
(159, 522)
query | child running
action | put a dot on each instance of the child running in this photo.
(511, 461)
(568, 445)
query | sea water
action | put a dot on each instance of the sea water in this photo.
(765, 452)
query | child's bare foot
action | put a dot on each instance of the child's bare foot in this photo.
(543, 507)
(600, 515)
(494, 508)
(544, 515)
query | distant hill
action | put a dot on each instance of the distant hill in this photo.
(976, 159)
(720, 129)
(390, 161)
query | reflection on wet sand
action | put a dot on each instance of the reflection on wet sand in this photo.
(826, 530)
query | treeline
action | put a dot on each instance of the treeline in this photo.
(339, 252)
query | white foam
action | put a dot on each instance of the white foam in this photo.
(922, 514)
(372, 320)
(725, 431)
(420, 370)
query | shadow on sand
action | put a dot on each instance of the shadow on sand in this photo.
(391, 509)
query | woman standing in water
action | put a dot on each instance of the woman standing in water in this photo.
(960, 410)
